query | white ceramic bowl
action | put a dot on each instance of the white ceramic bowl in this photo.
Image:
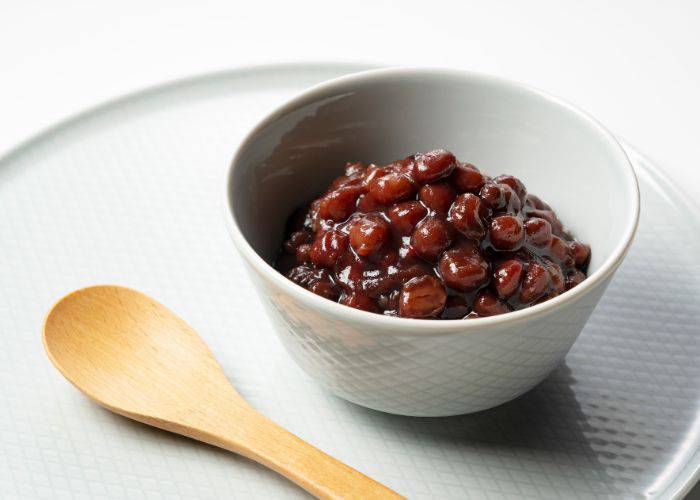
(429, 367)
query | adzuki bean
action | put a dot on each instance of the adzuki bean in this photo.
(431, 237)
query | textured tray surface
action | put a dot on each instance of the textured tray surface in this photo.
(130, 193)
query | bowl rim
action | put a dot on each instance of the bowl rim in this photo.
(394, 325)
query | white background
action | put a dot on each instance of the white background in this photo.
(635, 65)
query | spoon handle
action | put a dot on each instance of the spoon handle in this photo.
(260, 439)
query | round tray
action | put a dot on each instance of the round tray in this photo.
(129, 193)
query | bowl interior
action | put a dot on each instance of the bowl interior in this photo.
(559, 153)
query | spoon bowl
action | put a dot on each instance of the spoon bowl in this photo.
(132, 355)
(137, 358)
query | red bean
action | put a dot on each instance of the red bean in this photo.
(545, 297)
(391, 188)
(464, 268)
(568, 262)
(535, 284)
(558, 249)
(404, 216)
(500, 198)
(431, 236)
(456, 307)
(492, 196)
(432, 166)
(373, 172)
(389, 302)
(507, 233)
(302, 253)
(437, 197)
(354, 168)
(466, 215)
(295, 239)
(327, 248)
(536, 202)
(346, 180)
(302, 275)
(547, 215)
(407, 252)
(580, 253)
(368, 234)
(366, 204)
(574, 278)
(466, 177)
(407, 270)
(550, 216)
(506, 279)
(325, 288)
(375, 281)
(514, 183)
(349, 272)
(487, 304)
(387, 257)
(422, 297)
(404, 166)
(556, 275)
(360, 301)
(338, 205)
(317, 281)
(538, 232)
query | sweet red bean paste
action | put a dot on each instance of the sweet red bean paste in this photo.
(431, 237)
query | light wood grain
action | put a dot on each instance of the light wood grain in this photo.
(135, 357)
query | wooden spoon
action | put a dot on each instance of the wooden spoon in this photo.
(137, 358)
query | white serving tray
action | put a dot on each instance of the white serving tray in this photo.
(130, 193)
